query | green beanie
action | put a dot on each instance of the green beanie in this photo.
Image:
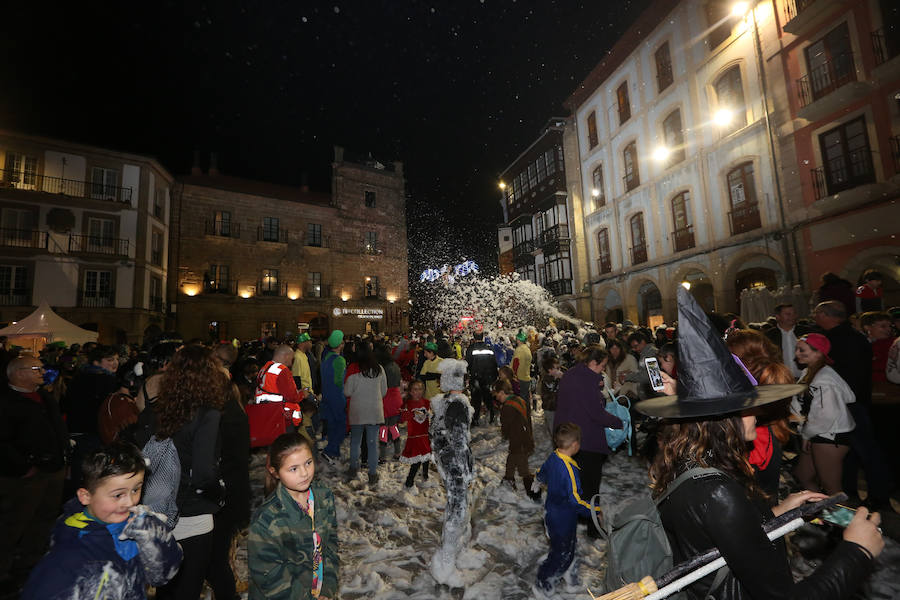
(431, 346)
(336, 338)
(521, 336)
(304, 337)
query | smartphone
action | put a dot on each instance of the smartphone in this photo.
(50, 375)
(839, 515)
(656, 381)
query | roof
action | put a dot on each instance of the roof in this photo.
(652, 16)
(257, 188)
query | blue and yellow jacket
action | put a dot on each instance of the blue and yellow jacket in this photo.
(88, 560)
(564, 503)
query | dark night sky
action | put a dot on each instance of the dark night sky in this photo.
(456, 90)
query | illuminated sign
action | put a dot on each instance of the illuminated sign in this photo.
(469, 267)
(361, 313)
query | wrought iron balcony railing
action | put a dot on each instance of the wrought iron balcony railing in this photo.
(157, 304)
(67, 187)
(97, 244)
(15, 297)
(560, 287)
(744, 218)
(227, 229)
(271, 288)
(683, 238)
(96, 299)
(885, 48)
(792, 8)
(638, 254)
(227, 287)
(843, 172)
(23, 238)
(264, 234)
(826, 78)
(605, 262)
(554, 234)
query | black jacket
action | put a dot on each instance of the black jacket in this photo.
(852, 356)
(90, 387)
(774, 334)
(31, 434)
(482, 362)
(200, 491)
(714, 511)
(235, 435)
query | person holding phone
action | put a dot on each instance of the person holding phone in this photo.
(826, 419)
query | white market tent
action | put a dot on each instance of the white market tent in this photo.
(44, 326)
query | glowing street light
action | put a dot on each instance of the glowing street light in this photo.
(740, 9)
(595, 192)
(502, 185)
(723, 117)
(661, 154)
(686, 285)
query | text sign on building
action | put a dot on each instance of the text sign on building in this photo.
(361, 313)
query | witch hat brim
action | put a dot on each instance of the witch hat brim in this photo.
(710, 382)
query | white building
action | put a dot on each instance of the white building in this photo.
(85, 229)
(674, 164)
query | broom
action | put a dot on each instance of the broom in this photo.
(697, 567)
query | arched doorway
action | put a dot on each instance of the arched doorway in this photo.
(701, 288)
(649, 304)
(316, 324)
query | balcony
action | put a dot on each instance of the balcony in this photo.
(277, 236)
(23, 238)
(75, 188)
(226, 287)
(632, 180)
(225, 229)
(845, 172)
(522, 253)
(157, 304)
(369, 248)
(95, 299)
(605, 263)
(744, 218)
(317, 291)
(98, 245)
(826, 78)
(315, 241)
(799, 19)
(683, 238)
(560, 287)
(639, 254)
(156, 257)
(550, 238)
(15, 297)
(272, 289)
(373, 293)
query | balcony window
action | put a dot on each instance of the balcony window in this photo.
(603, 251)
(730, 96)
(551, 162)
(830, 65)
(97, 291)
(20, 171)
(598, 193)
(13, 285)
(270, 229)
(541, 167)
(846, 156)
(623, 103)
(638, 240)
(885, 44)
(156, 300)
(100, 232)
(314, 234)
(268, 283)
(371, 287)
(314, 284)
(370, 242)
(159, 203)
(718, 21)
(674, 136)
(222, 223)
(370, 199)
(18, 227)
(217, 279)
(104, 183)
(744, 212)
(593, 138)
(664, 76)
(532, 176)
(632, 174)
(156, 248)
(683, 236)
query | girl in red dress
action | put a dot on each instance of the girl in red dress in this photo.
(418, 447)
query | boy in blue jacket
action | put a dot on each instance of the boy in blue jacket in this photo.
(563, 507)
(106, 545)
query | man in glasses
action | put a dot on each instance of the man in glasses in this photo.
(33, 448)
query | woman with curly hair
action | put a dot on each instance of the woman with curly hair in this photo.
(189, 409)
(706, 493)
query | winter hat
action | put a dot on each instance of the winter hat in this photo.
(820, 343)
(453, 374)
(710, 382)
(336, 338)
(431, 346)
(521, 336)
(303, 337)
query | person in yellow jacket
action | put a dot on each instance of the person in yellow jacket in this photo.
(429, 373)
(521, 366)
(300, 368)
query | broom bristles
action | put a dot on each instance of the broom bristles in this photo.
(632, 591)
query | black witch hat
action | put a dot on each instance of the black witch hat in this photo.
(710, 381)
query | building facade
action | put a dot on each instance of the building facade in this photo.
(542, 219)
(87, 230)
(674, 148)
(837, 109)
(256, 259)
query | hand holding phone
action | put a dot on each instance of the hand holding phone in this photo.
(656, 380)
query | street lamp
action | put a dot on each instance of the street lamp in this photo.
(595, 192)
(723, 117)
(686, 285)
(661, 154)
(502, 185)
(740, 9)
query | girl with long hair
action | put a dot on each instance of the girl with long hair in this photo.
(366, 387)
(621, 362)
(827, 422)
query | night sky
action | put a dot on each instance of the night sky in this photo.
(456, 90)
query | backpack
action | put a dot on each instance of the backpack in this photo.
(616, 437)
(636, 542)
(162, 479)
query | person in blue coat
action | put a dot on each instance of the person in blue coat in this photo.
(334, 403)
(563, 507)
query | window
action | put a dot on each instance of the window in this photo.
(681, 217)
(632, 175)
(603, 251)
(270, 229)
(674, 136)
(314, 284)
(268, 329)
(100, 232)
(830, 62)
(13, 282)
(557, 266)
(593, 138)
(597, 191)
(156, 301)
(97, 290)
(541, 168)
(664, 76)
(527, 272)
(532, 176)
(742, 195)
(638, 241)
(314, 234)
(371, 287)
(156, 248)
(551, 163)
(217, 279)
(370, 243)
(268, 284)
(159, 203)
(104, 184)
(730, 96)
(719, 20)
(846, 157)
(624, 104)
(370, 199)
(17, 225)
(20, 170)
(222, 223)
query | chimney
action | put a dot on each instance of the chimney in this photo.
(195, 168)
(213, 164)
(304, 182)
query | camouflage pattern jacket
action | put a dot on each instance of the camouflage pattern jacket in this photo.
(280, 547)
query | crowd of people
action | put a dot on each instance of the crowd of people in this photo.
(144, 451)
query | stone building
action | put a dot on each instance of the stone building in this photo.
(87, 230)
(256, 259)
